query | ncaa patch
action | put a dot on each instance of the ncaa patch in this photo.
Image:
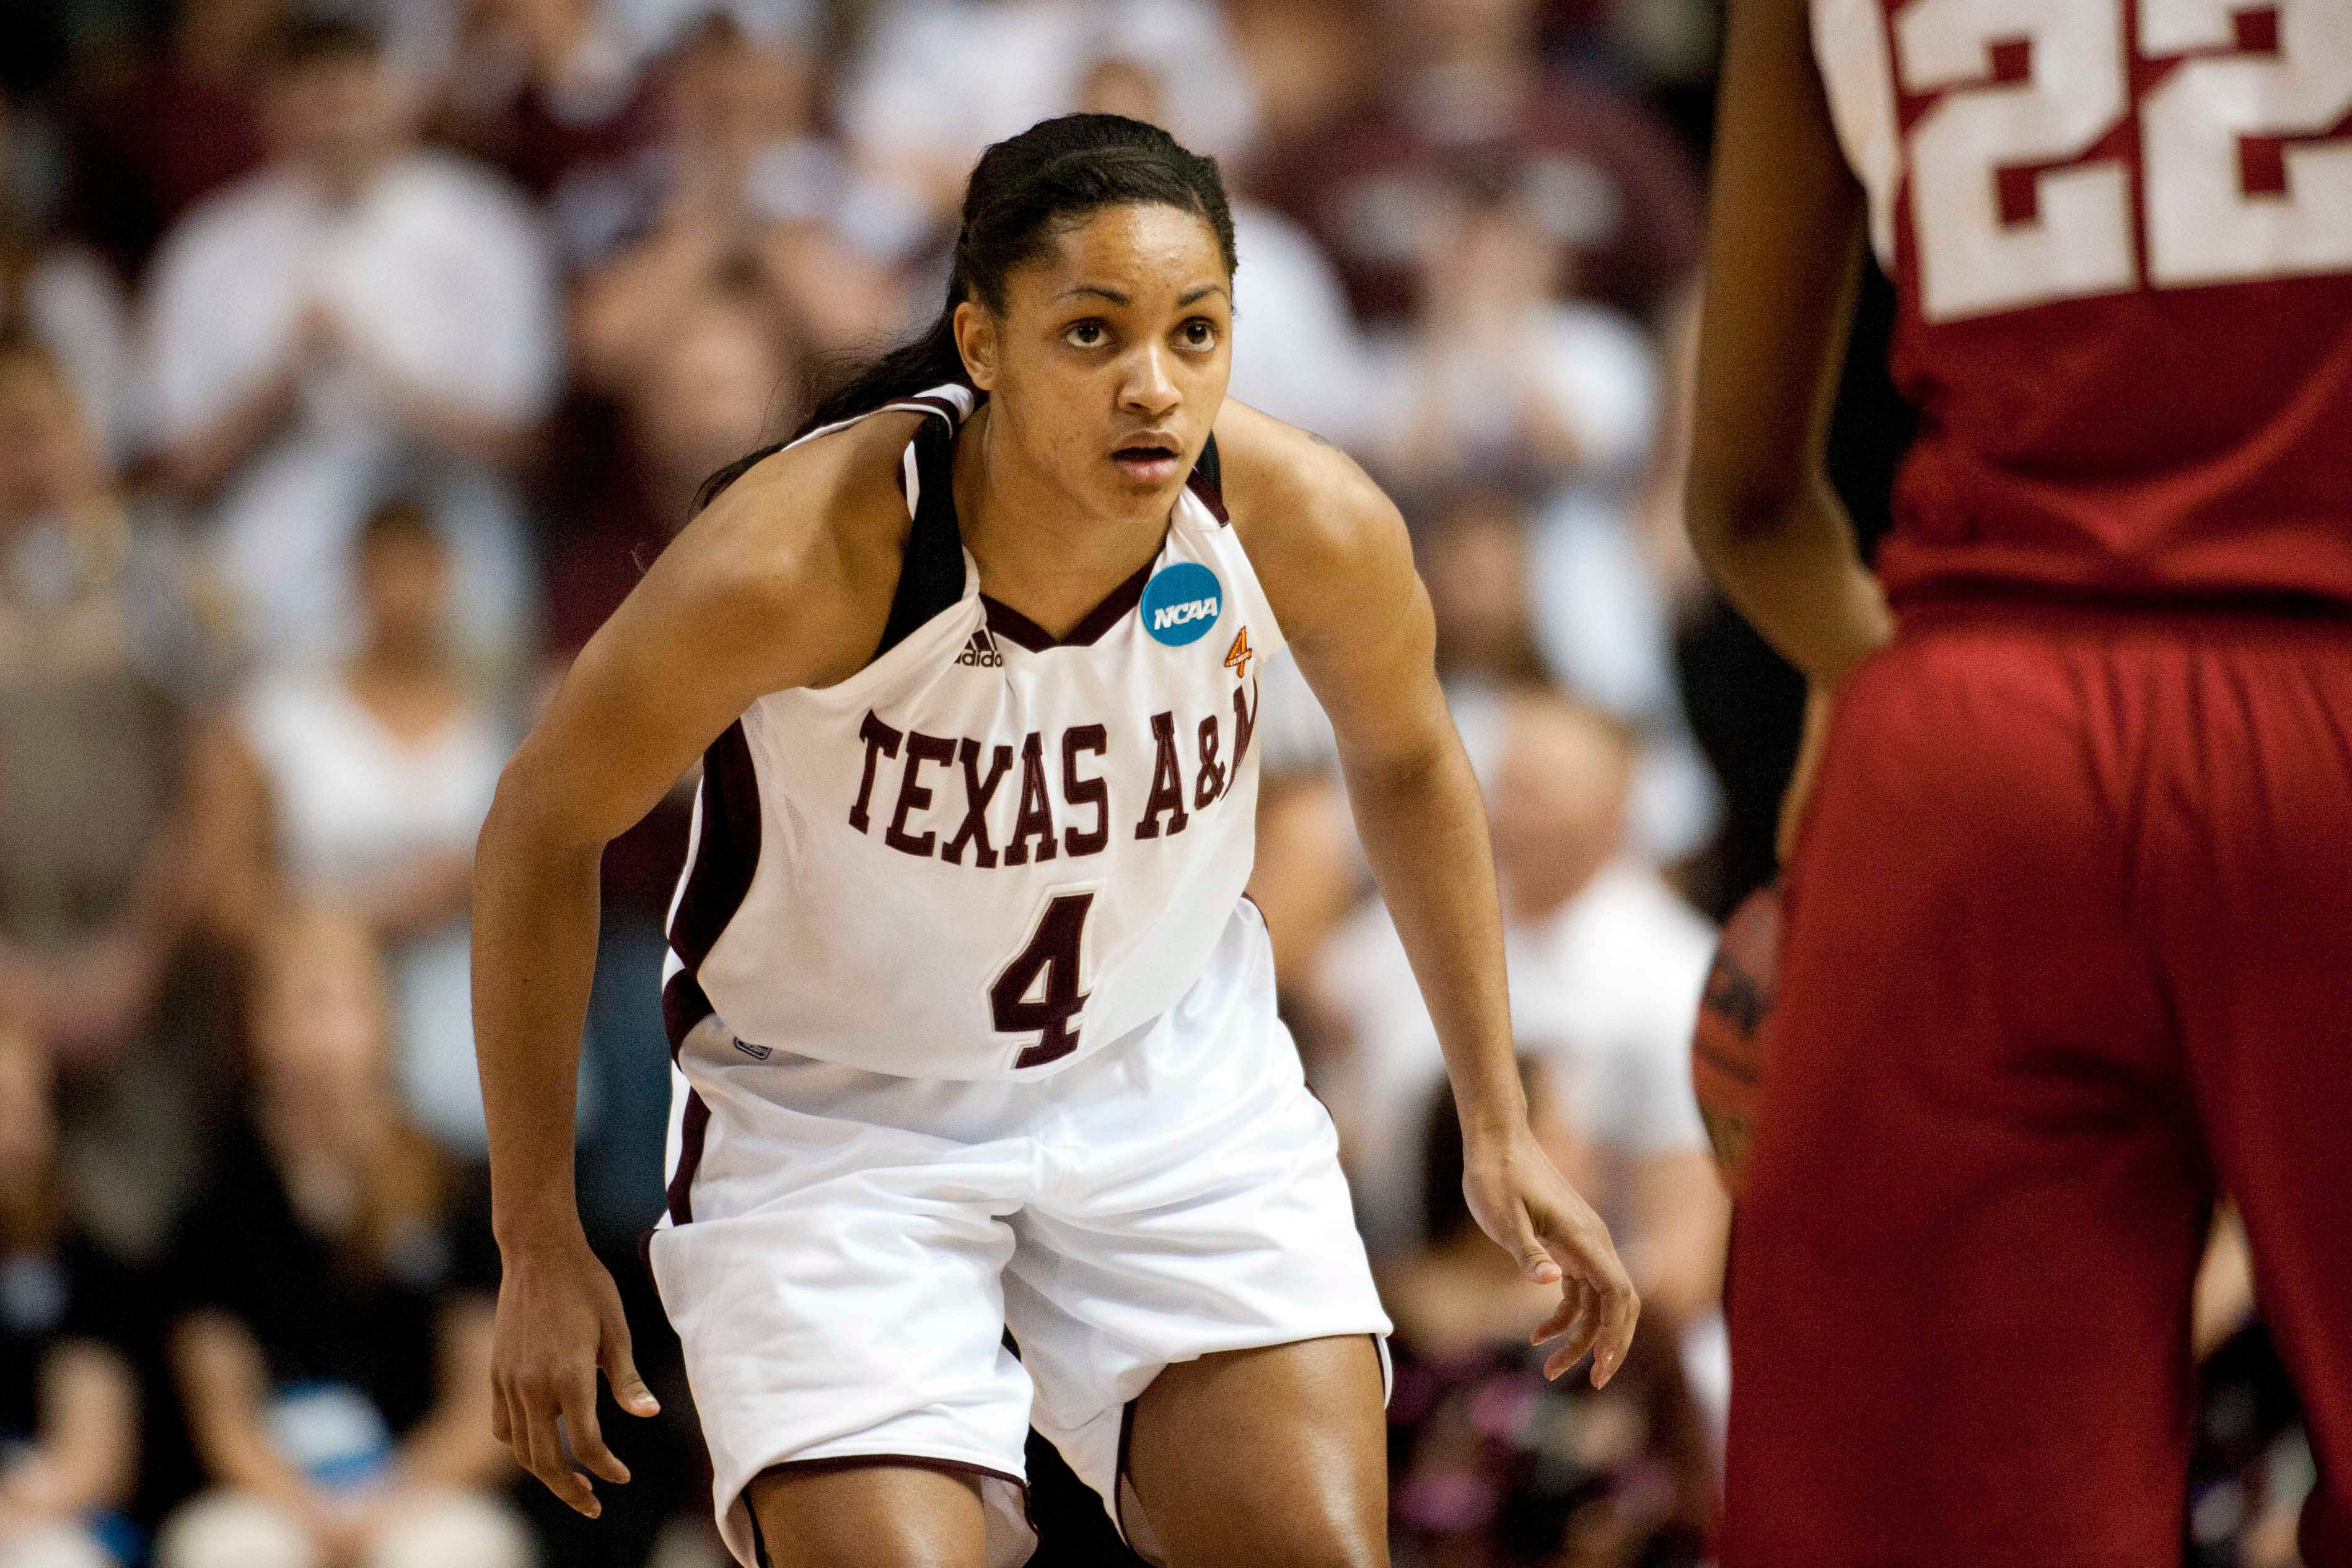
(1180, 603)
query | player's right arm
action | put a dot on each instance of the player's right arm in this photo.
(785, 581)
(1784, 226)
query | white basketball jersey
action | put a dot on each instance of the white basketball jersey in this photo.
(989, 852)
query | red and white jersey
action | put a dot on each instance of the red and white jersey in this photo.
(2121, 236)
(990, 851)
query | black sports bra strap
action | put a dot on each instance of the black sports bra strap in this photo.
(930, 576)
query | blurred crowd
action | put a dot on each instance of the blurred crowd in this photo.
(356, 356)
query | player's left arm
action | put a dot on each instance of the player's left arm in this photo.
(1333, 557)
(1784, 251)
(1783, 245)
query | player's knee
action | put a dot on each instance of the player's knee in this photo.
(1352, 1549)
(906, 1553)
(878, 1516)
(1337, 1535)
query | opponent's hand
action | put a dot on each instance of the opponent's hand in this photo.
(1521, 1199)
(559, 1320)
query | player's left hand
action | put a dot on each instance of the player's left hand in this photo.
(1521, 1199)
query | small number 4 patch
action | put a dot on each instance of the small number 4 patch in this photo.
(1238, 656)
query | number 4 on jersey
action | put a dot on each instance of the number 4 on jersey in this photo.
(1047, 966)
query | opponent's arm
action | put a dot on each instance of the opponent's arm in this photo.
(1337, 567)
(1784, 222)
(759, 593)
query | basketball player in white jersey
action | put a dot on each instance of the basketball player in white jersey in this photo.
(975, 1031)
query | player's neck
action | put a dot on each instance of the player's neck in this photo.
(1038, 549)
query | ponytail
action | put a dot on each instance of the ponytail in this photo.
(1021, 190)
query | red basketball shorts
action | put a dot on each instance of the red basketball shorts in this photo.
(2069, 948)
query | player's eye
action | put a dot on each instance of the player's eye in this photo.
(1199, 332)
(1087, 334)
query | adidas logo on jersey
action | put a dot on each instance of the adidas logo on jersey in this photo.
(981, 650)
(1177, 614)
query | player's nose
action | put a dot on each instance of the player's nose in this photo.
(1148, 387)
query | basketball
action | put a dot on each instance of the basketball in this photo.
(1727, 1043)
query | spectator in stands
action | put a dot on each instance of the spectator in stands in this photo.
(159, 135)
(1308, 61)
(539, 88)
(109, 643)
(1494, 368)
(68, 1401)
(65, 298)
(332, 1348)
(365, 787)
(360, 312)
(1606, 965)
(744, 186)
(1492, 1466)
(103, 648)
(1470, 87)
(1529, 585)
(937, 80)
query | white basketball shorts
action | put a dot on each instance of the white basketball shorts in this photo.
(860, 1243)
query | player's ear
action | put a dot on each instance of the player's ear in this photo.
(977, 340)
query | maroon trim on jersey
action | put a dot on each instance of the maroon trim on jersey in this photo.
(944, 407)
(1118, 1471)
(684, 1005)
(1118, 1467)
(728, 853)
(1009, 623)
(912, 1462)
(1210, 497)
(652, 1280)
(693, 1127)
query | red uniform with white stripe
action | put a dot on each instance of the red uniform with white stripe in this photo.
(2121, 235)
(2069, 937)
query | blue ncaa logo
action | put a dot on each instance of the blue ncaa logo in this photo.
(1181, 603)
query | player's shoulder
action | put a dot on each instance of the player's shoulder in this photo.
(1295, 496)
(813, 504)
(811, 533)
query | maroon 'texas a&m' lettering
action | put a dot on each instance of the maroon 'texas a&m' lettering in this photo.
(959, 793)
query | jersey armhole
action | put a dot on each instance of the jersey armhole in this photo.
(1207, 481)
(930, 575)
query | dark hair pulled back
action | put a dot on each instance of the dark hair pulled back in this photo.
(1023, 192)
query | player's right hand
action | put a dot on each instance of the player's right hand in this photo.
(560, 1321)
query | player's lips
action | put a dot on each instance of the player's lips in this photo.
(1150, 458)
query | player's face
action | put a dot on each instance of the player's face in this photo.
(1110, 361)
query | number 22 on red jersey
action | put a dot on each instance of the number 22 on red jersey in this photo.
(2129, 120)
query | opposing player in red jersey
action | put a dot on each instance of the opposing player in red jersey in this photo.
(2069, 936)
